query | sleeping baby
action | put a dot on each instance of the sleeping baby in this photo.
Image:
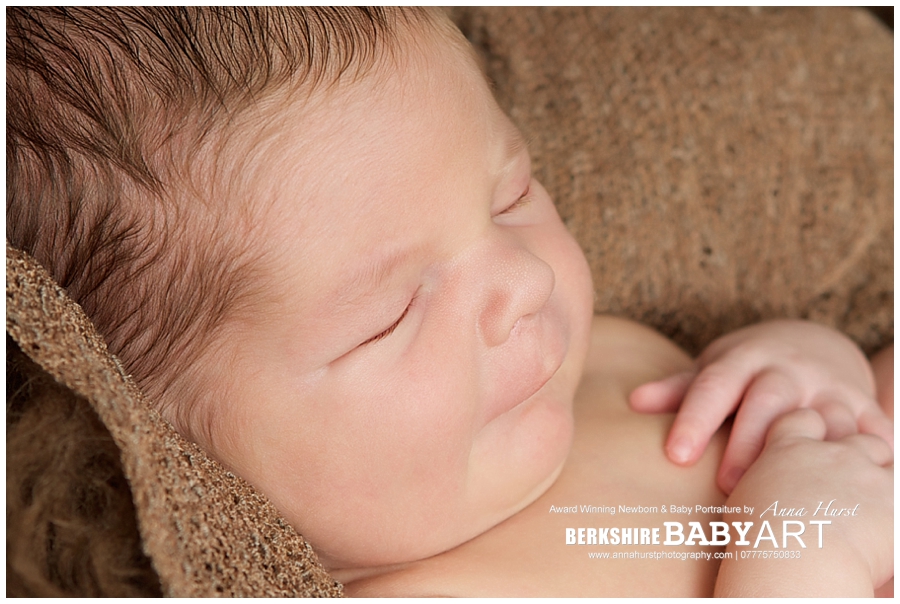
(314, 239)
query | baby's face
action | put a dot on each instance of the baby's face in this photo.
(409, 382)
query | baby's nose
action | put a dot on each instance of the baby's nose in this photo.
(519, 285)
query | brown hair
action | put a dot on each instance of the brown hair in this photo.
(115, 121)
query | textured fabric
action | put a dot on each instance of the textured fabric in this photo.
(718, 166)
(206, 531)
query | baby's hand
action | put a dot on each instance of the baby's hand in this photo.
(764, 371)
(798, 470)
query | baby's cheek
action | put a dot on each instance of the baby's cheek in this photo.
(577, 283)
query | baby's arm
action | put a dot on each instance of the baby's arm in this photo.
(767, 370)
(797, 469)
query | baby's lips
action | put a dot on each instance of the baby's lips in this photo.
(527, 361)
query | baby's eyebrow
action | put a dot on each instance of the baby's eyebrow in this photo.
(369, 277)
(515, 143)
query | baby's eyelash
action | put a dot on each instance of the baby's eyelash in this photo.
(521, 201)
(390, 329)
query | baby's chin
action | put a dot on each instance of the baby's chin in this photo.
(538, 490)
(519, 455)
(419, 544)
(534, 439)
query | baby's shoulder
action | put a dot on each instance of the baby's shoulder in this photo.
(632, 352)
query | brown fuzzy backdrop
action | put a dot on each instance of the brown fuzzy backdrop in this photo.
(718, 166)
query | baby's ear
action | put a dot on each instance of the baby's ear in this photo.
(183, 526)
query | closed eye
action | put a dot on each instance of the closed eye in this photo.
(390, 329)
(523, 200)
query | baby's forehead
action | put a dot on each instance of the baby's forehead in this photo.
(353, 163)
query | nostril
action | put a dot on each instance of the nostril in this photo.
(516, 325)
(515, 328)
(513, 295)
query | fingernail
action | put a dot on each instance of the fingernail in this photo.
(680, 450)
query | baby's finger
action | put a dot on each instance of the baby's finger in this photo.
(661, 396)
(877, 423)
(769, 396)
(799, 423)
(713, 395)
(872, 447)
(839, 420)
